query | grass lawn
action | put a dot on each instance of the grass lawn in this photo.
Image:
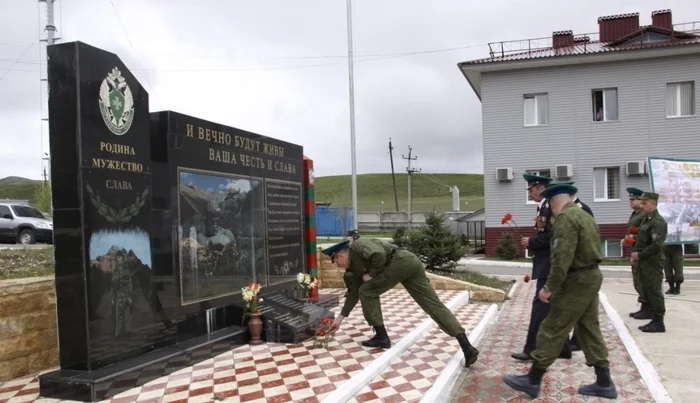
(22, 263)
(479, 279)
(375, 192)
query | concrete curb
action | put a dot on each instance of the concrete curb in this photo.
(646, 369)
(524, 265)
(440, 391)
(351, 387)
(512, 290)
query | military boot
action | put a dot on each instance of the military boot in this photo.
(671, 287)
(470, 352)
(642, 309)
(603, 386)
(677, 289)
(644, 313)
(380, 339)
(655, 326)
(529, 383)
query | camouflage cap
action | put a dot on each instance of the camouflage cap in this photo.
(650, 196)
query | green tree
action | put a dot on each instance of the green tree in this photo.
(42, 197)
(506, 248)
(400, 237)
(436, 245)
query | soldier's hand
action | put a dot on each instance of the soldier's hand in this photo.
(544, 295)
(366, 277)
(525, 241)
(336, 323)
(634, 257)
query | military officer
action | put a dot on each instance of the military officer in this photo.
(636, 219)
(572, 292)
(573, 343)
(373, 267)
(538, 244)
(649, 256)
(673, 266)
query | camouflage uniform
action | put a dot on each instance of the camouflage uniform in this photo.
(673, 266)
(636, 220)
(574, 281)
(649, 247)
(388, 266)
(121, 292)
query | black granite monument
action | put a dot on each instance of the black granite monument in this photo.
(159, 220)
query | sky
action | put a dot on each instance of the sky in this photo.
(280, 68)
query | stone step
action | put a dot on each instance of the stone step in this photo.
(404, 372)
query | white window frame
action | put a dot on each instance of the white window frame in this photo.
(539, 172)
(605, 244)
(605, 110)
(605, 186)
(538, 97)
(676, 87)
(684, 252)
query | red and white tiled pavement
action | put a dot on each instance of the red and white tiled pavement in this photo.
(300, 373)
(484, 381)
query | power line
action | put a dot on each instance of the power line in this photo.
(15, 62)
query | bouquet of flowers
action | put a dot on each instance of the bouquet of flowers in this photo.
(630, 238)
(250, 296)
(323, 333)
(306, 283)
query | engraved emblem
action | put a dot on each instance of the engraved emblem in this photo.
(116, 103)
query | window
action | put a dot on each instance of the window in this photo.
(611, 248)
(547, 173)
(605, 105)
(606, 184)
(5, 211)
(690, 249)
(536, 108)
(680, 99)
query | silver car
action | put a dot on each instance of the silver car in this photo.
(24, 224)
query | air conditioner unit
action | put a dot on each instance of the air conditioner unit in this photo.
(636, 168)
(504, 174)
(564, 171)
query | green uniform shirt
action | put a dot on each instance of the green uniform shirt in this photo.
(575, 243)
(651, 237)
(367, 255)
(636, 219)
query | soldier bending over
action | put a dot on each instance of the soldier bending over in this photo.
(373, 267)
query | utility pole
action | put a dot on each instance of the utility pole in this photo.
(410, 173)
(393, 176)
(51, 38)
(351, 80)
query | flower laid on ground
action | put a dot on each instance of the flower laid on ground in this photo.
(250, 296)
(323, 334)
(526, 278)
(306, 282)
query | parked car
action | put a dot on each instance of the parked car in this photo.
(24, 224)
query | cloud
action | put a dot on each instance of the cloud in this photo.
(279, 69)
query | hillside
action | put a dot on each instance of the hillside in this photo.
(429, 191)
(17, 188)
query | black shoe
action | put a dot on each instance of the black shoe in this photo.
(380, 339)
(566, 353)
(644, 308)
(471, 354)
(655, 326)
(671, 289)
(529, 383)
(521, 356)
(643, 314)
(677, 289)
(603, 386)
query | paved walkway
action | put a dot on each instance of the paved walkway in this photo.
(299, 373)
(484, 381)
(672, 353)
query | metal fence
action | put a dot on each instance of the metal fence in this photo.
(333, 221)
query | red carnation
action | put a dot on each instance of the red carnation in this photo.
(628, 241)
(527, 278)
(633, 230)
(506, 218)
